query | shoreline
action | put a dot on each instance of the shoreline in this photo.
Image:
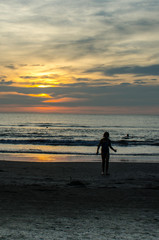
(43, 157)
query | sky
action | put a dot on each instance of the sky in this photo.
(85, 56)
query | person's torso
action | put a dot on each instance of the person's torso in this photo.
(105, 145)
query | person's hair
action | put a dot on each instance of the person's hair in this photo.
(106, 134)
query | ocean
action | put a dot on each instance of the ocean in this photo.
(56, 137)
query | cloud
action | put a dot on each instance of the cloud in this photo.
(3, 82)
(78, 29)
(125, 95)
(11, 66)
(136, 70)
(73, 30)
(23, 99)
(2, 77)
(64, 100)
(28, 77)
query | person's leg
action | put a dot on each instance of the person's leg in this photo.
(103, 163)
(107, 163)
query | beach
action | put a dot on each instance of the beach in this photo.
(71, 200)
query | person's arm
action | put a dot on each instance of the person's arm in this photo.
(112, 147)
(98, 147)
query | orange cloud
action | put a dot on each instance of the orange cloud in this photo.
(41, 95)
(65, 99)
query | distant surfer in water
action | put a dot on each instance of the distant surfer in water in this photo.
(126, 137)
(105, 144)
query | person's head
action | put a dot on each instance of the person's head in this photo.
(106, 135)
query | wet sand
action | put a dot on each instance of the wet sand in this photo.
(46, 201)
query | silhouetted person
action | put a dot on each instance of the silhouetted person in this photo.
(105, 143)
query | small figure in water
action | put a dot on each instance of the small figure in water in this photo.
(105, 143)
(126, 137)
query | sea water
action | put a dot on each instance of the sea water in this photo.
(136, 137)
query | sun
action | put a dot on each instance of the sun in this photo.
(43, 86)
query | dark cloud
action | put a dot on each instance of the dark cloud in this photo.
(83, 79)
(3, 82)
(23, 65)
(51, 76)
(37, 65)
(153, 79)
(21, 99)
(103, 14)
(28, 77)
(3, 77)
(11, 66)
(127, 95)
(136, 70)
(139, 81)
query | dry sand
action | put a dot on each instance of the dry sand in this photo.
(47, 201)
